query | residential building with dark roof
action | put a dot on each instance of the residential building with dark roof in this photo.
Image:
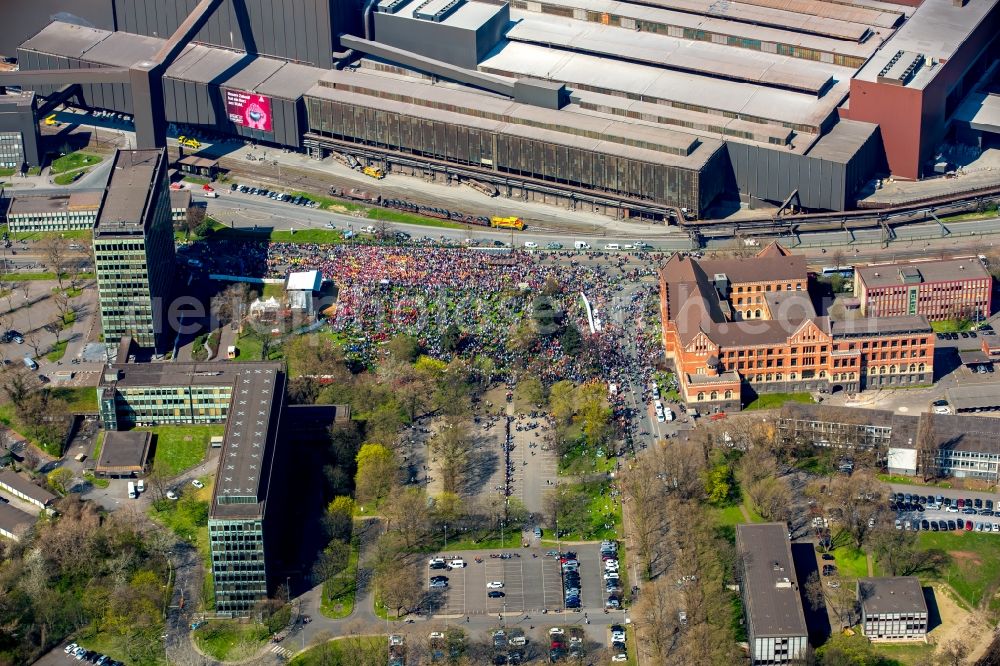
(776, 624)
(938, 290)
(892, 609)
(736, 328)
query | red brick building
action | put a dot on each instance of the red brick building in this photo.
(740, 327)
(938, 290)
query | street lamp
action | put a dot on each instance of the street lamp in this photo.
(446, 537)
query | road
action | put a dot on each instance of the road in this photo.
(247, 211)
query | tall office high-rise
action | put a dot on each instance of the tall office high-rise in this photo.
(134, 249)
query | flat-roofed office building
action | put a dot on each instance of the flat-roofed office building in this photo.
(134, 249)
(64, 212)
(776, 624)
(248, 398)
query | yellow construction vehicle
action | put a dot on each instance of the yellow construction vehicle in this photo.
(374, 172)
(188, 143)
(51, 121)
(507, 223)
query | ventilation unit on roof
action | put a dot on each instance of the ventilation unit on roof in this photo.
(901, 68)
(391, 6)
(436, 10)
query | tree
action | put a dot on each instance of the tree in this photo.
(546, 318)
(400, 588)
(571, 340)
(34, 340)
(56, 252)
(452, 447)
(858, 503)
(656, 615)
(60, 479)
(771, 497)
(562, 402)
(229, 305)
(897, 552)
(814, 591)
(450, 338)
(63, 306)
(334, 559)
(403, 348)
(55, 328)
(954, 652)
(841, 650)
(532, 389)
(523, 337)
(719, 483)
(339, 517)
(194, 218)
(406, 511)
(647, 498)
(377, 473)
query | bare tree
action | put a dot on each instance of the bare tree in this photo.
(382, 229)
(228, 306)
(55, 328)
(452, 446)
(34, 340)
(647, 497)
(194, 217)
(953, 653)
(858, 503)
(57, 256)
(63, 306)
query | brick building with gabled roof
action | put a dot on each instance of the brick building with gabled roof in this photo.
(735, 328)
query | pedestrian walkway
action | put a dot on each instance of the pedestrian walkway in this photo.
(281, 652)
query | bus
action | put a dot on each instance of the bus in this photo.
(842, 271)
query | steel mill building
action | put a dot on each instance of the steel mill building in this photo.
(631, 108)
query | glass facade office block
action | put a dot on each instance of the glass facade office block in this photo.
(238, 567)
(11, 150)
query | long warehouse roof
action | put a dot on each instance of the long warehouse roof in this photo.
(655, 84)
(716, 60)
(716, 24)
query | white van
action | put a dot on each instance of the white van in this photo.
(30, 362)
(131, 490)
(140, 485)
(612, 246)
(581, 245)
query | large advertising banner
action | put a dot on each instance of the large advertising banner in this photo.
(248, 109)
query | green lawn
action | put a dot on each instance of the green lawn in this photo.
(851, 562)
(105, 644)
(344, 651)
(81, 399)
(912, 481)
(7, 171)
(95, 481)
(25, 277)
(338, 592)
(179, 447)
(71, 234)
(776, 400)
(951, 325)
(910, 653)
(74, 161)
(69, 177)
(249, 348)
(974, 570)
(229, 640)
(272, 289)
(57, 352)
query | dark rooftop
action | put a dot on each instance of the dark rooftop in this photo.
(901, 594)
(14, 521)
(124, 452)
(865, 326)
(834, 414)
(974, 396)
(964, 432)
(25, 487)
(128, 196)
(771, 589)
(928, 271)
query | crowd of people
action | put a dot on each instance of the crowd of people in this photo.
(422, 291)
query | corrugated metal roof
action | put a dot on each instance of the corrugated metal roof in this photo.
(291, 81)
(251, 72)
(577, 69)
(716, 60)
(65, 39)
(718, 25)
(202, 64)
(123, 49)
(771, 16)
(842, 142)
(884, 18)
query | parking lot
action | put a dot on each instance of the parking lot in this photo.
(979, 518)
(530, 584)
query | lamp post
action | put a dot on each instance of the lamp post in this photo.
(446, 536)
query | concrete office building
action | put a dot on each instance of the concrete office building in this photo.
(64, 212)
(20, 142)
(124, 454)
(938, 290)
(776, 624)
(248, 398)
(134, 249)
(892, 609)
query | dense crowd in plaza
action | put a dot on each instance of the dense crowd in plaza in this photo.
(421, 291)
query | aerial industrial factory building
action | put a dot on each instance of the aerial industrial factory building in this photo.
(631, 108)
